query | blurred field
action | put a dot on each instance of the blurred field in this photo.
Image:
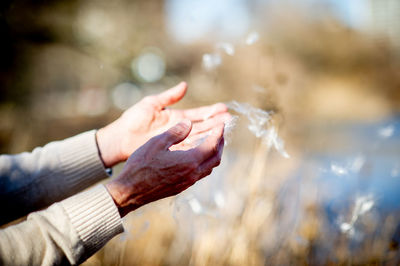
(70, 66)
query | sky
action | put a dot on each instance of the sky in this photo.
(190, 20)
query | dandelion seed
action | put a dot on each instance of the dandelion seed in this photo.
(357, 164)
(386, 132)
(226, 47)
(219, 199)
(252, 38)
(363, 204)
(195, 206)
(273, 140)
(345, 227)
(228, 128)
(211, 61)
(338, 170)
(395, 171)
(260, 124)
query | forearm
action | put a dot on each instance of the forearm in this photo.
(66, 232)
(31, 181)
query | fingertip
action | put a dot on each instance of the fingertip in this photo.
(182, 87)
(177, 133)
(183, 128)
(183, 84)
(220, 107)
(218, 130)
(226, 117)
(173, 95)
(186, 123)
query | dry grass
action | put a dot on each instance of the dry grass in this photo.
(311, 73)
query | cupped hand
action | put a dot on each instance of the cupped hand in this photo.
(154, 171)
(150, 117)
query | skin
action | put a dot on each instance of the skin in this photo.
(154, 171)
(150, 117)
(166, 150)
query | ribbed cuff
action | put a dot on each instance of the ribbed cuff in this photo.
(94, 216)
(81, 162)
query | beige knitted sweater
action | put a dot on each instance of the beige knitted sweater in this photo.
(67, 232)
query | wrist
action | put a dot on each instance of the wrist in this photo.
(108, 147)
(124, 203)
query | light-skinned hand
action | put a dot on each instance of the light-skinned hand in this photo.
(150, 117)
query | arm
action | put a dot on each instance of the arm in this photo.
(31, 181)
(154, 171)
(150, 117)
(74, 229)
(66, 233)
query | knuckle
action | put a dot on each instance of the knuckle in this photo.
(157, 142)
(193, 179)
(208, 172)
(187, 170)
(156, 139)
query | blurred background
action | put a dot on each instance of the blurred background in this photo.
(328, 73)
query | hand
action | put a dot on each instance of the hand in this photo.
(150, 117)
(154, 171)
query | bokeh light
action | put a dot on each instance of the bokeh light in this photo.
(124, 95)
(314, 79)
(149, 66)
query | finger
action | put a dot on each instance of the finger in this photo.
(197, 139)
(190, 142)
(175, 134)
(209, 124)
(206, 167)
(209, 147)
(205, 112)
(172, 95)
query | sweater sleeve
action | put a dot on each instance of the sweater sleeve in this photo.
(66, 233)
(31, 181)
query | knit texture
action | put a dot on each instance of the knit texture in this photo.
(32, 181)
(95, 218)
(67, 232)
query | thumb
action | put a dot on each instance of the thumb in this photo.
(172, 95)
(176, 133)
